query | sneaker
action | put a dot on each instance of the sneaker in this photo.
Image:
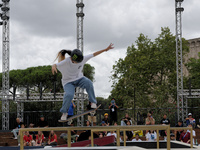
(94, 105)
(15, 138)
(64, 116)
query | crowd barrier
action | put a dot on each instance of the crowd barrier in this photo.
(93, 129)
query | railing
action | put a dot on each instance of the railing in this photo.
(185, 128)
(106, 128)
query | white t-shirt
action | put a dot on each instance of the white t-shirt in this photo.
(109, 134)
(134, 140)
(193, 133)
(72, 71)
(151, 136)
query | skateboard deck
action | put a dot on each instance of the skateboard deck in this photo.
(79, 115)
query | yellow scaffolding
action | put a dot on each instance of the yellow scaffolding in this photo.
(109, 128)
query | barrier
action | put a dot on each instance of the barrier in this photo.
(108, 128)
(185, 128)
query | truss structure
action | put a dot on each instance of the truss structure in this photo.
(5, 64)
(179, 66)
(80, 16)
(20, 99)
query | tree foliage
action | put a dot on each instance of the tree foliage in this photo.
(150, 69)
(34, 76)
(193, 67)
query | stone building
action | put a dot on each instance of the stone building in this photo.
(194, 49)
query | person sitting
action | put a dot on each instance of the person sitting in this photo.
(136, 139)
(39, 138)
(17, 127)
(74, 135)
(101, 134)
(88, 124)
(32, 133)
(193, 132)
(151, 135)
(190, 120)
(18, 137)
(126, 118)
(149, 120)
(52, 139)
(164, 121)
(43, 124)
(185, 137)
(112, 133)
(177, 133)
(129, 134)
(106, 120)
(27, 139)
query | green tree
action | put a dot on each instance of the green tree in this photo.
(34, 76)
(193, 67)
(150, 69)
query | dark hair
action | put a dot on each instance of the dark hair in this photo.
(64, 51)
(180, 121)
(61, 54)
(136, 134)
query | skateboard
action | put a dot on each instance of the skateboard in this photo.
(79, 115)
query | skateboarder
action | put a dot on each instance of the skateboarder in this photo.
(72, 76)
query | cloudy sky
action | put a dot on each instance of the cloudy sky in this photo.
(40, 28)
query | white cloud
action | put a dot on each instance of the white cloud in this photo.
(39, 29)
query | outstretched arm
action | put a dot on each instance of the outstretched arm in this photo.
(104, 50)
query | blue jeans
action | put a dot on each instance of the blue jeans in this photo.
(69, 89)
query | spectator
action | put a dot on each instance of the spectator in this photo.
(172, 136)
(27, 139)
(71, 112)
(129, 134)
(43, 124)
(149, 120)
(74, 135)
(17, 127)
(193, 133)
(86, 135)
(33, 133)
(113, 132)
(18, 137)
(113, 111)
(106, 120)
(52, 139)
(101, 134)
(39, 138)
(164, 121)
(126, 118)
(136, 139)
(185, 137)
(177, 133)
(91, 116)
(151, 135)
(190, 120)
(88, 124)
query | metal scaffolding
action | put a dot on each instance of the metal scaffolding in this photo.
(179, 66)
(80, 100)
(5, 63)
